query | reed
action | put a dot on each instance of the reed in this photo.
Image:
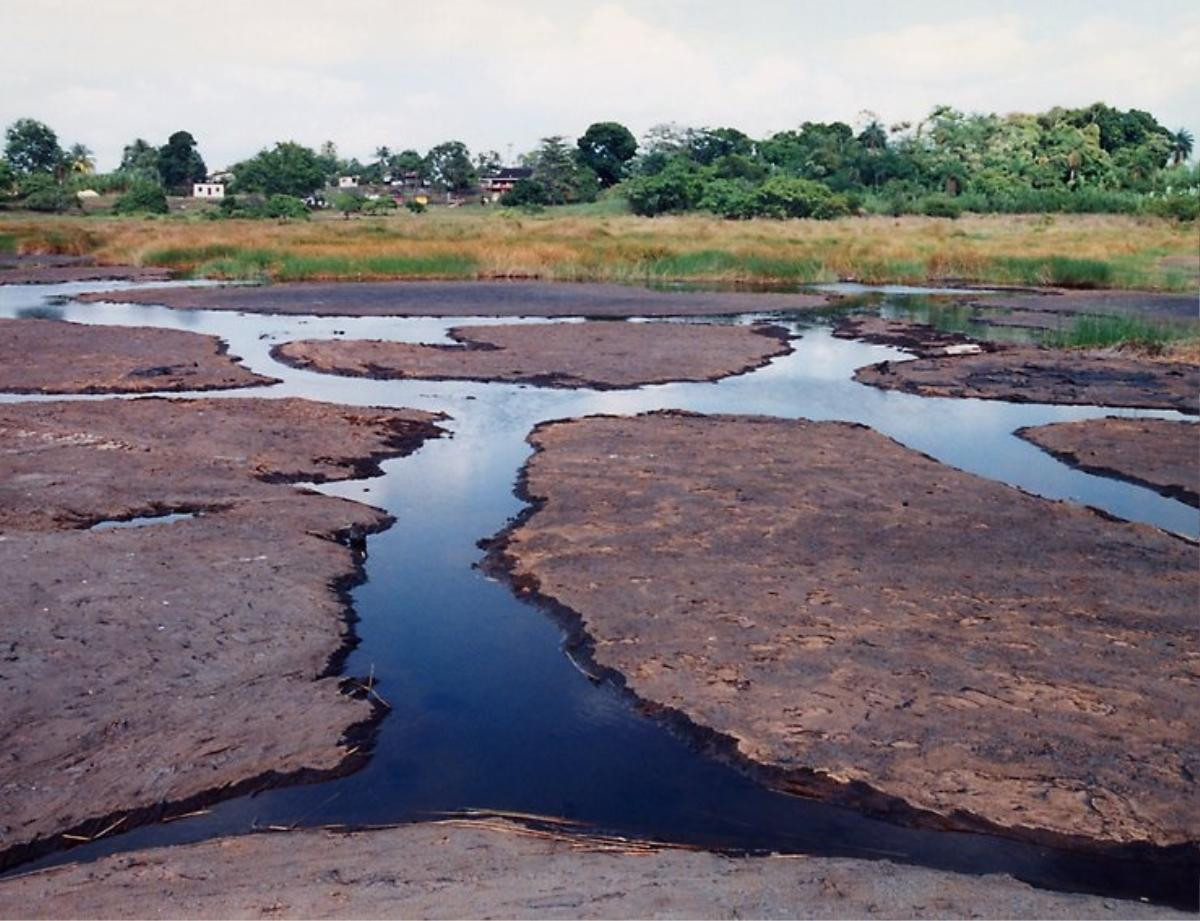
(1116, 251)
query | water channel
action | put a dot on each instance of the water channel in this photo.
(488, 712)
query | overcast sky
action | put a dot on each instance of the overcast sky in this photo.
(500, 75)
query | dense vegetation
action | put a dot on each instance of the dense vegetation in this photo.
(1093, 159)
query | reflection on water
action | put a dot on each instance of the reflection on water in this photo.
(487, 710)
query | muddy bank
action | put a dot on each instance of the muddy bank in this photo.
(1151, 304)
(146, 669)
(874, 627)
(1037, 375)
(1162, 455)
(600, 355)
(919, 338)
(464, 299)
(498, 869)
(35, 269)
(47, 356)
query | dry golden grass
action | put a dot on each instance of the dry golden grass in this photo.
(1093, 250)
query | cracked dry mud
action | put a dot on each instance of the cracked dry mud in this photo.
(599, 355)
(157, 664)
(497, 869)
(873, 626)
(1038, 375)
(1160, 454)
(48, 356)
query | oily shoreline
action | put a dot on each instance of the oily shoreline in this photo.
(860, 793)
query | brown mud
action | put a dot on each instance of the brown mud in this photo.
(150, 669)
(950, 651)
(1027, 374)
(1150, 304)
(1156, 453)
(464, 299)
(604, 356)
(37, 269)
(47, 356)
(919, 338)
(499, 868)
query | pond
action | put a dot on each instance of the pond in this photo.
(488, 712)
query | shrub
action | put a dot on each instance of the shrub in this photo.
(416, 207)
(1183, 206)
(284, 206)
(941, 206)
(525, 192)
(730, 198)
(142, 198)
(786, 196)
(677, 187)
(381, 205)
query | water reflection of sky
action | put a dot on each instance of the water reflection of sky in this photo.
(487, 711)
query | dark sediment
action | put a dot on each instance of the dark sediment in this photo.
(599, 355)
(463, 299)
(985, 658)
(1038, 375)
(46, 356)
(1150, 304)
(35, 269)
(1163, 455)
(919, 338)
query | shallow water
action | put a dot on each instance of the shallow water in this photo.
(487, 710)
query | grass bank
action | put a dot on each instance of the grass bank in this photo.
(1102, 251)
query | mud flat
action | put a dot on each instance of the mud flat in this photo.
(1037, 375)
(599, 355)
(53, 270)
(870, 626)
(1162, 455)
(46, 356)
(498, 869)
(919, 338)
(149, 669)
(463, 299)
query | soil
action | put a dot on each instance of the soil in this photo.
(919, 338)
(1163, 455)
(464, 299)
(853, 620)
(47, 356)
(600, 355)
(147, 669)
(499, 869)
(1036, 375)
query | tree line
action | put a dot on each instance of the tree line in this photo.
(1095, 158)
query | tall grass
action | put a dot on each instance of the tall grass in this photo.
(1123, 331)
(8, 243)
(1069, 250)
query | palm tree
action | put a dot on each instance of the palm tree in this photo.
(80, 160)
(1182, 142)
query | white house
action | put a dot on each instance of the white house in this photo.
(208, 190)
(347, 182)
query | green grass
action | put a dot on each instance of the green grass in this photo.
(724, 265)
(8, 243)
(1120, 330)
(1060, 271)
(304, 268)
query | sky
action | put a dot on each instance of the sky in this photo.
(501, 75)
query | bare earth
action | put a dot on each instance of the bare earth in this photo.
(1035, 375)
(1152, 304)
(145, 667)
(496, 869)
(33, 269)
(463, 299)
(874, 627)
(600, 355)
(46, 356)
(1153, 452)
(919, 338)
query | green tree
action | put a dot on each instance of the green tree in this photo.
(32, 147)
(286, 169)
(562, 178)
(449, 166)
(606, 147)
(678, 186)
(704, 145)
(179, 162)
(42, 192)
(142, 197)
(487, 163)
(81, 160)
(407, 162)
(1182, 143)
(8, 178)
(140, 158)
